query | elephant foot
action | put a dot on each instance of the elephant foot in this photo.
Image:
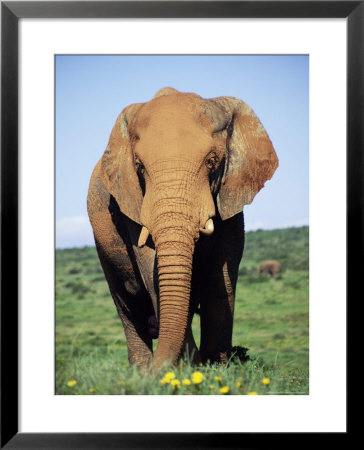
(153, 327)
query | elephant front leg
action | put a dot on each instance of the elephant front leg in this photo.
(133, 306)
(218, 298)
(139, 346)
(138, 338)
(217, 312)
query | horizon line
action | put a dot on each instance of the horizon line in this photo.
(246, 231)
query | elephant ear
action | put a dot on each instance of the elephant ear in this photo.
(251, 158)
(118, 168)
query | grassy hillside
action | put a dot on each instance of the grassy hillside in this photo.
(271, 320)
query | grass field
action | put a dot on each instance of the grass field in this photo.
(271, 320)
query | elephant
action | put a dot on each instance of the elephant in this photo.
(270, 267)
(165, 202)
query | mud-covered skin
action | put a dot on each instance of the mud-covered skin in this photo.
(133, 280)
(113, 237)
(165, 203)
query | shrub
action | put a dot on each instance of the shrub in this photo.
(78, 288)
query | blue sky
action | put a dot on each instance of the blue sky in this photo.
(92, 90)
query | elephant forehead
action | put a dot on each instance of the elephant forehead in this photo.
(185, 110)
(172, 131)
(173, 139)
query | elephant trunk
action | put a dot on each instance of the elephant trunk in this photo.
(174, 232)
(174, 271)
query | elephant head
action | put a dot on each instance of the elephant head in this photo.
(175, 164)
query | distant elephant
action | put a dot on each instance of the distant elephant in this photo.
(270, 267)
(165, 202)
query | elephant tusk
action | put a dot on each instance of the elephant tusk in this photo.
(143, 237)
(209, 227)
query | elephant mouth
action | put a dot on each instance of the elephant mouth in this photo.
(208, 229)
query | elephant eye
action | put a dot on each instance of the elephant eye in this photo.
(212, 161)
(139, 166)
(134, 138)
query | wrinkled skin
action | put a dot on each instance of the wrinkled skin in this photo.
(165, 203)
(270, 267)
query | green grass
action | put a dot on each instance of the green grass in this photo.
(271, 320)
(108, 374)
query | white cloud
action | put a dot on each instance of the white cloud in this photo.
(74, 232)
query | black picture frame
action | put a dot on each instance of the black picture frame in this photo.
(11, 12)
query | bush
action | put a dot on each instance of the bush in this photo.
(100, 278)
(78, 288)
(289, 246)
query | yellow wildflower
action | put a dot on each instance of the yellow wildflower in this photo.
(252, 393)
(219, 379)
(197, 377)
(224, 390)
(71, 383)
(186, 382)
(265, 381)
(92, 390)
(168, 377)
(175, 384)
(239, 384)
